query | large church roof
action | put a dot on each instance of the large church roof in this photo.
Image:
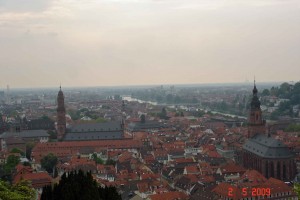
(95, 131)
(267, 147)
(139, 126)
(99, 127)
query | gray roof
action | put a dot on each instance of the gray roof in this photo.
(267, 147)
(25, 134)
(137, 126)
(104, 135)
(96, 127)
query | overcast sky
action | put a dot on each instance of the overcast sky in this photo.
(139, 42)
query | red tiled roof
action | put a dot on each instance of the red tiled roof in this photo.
(38, 180)
(169, 196)
(192, 169)
(20, 167)
(184, 160)
(192, 177)
(252, 178)
(232, 168)
(125, 156)
(207, 179)
(209, 147)
(277, 186)
(213, 154)
(228, 191)
(62, 149)
(150, 176)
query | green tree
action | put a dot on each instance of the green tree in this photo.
(293, 128)
(163, 114)
(181, 114)
(45, 117)
(110, 162)
(265, 92)
(48, 162)
(21, 190)
(53, 134)
(78, 186)
(16, 150)
(295, 96)
(96, 159)
(284, 89)
(109, 193)
(297, 189)
(143, 118)
(29, 147)
(117, 97)
(11, 162)
(27, 164)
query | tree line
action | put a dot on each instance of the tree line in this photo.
(78, 185)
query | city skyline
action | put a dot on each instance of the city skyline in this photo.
(147, 42)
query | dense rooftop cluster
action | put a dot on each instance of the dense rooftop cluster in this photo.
(157, 156)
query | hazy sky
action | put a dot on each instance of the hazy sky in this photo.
(130, 42)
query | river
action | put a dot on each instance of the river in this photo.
(129, 98)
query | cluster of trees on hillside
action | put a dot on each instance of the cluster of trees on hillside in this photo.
(284, 91)
(79, 186)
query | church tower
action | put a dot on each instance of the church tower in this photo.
(61, 115)
(256, 124)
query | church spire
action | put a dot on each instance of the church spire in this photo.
(256, 124)
(254, 88)
(255, 103)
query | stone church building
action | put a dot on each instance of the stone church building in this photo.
(263, 153)
(84, 132)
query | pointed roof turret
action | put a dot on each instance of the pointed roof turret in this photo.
(255, 103)
(254, 89)
(60, 93)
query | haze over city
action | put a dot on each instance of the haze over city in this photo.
(133, 42)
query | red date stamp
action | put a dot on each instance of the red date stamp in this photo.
(253, 192)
